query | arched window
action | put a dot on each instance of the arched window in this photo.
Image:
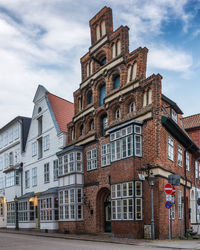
(98, 32)
(81, 129)
(91, 125)
(79, 103)
(39, 110)
(73, 134)
(117, 113)
(131, 107)
(89, 97)
(102, 94)
(103, 28)
(104, 124)
(132, 72)
(103, 61)
(118, 47)
(91, 67)
(116, 81)
(147, 97)
(88, 69)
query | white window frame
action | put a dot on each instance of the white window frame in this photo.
(46, 142)
(46, 172)
(1, 163)
(122, 194)
(105, 155)
(55, 170)
(170, 148)
(27, 179)
(34, 176)
(34, 148)
(91, 159)
(180, 207)
(187, 161)
(180, 156)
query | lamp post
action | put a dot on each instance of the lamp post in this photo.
(16, 213)
(151, 180)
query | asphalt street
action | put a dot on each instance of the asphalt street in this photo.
(29, 242)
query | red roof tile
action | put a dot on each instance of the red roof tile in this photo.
(192, 121)
(63, 111)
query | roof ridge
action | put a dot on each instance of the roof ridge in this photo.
(60, 97)
(190, 116)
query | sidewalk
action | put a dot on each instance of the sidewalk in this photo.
(173, 244)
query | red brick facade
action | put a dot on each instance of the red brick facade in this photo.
(152, 110)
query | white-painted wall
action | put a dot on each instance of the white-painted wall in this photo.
(8, 193)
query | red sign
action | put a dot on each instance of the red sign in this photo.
(168, 188)
(173, 191)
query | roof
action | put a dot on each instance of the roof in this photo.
(27, 195)
(172, 104)
(49, 191)
(63, 111)
(192, 121)
(26, 121)
(180, 134)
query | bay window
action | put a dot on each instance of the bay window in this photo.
(126, 201)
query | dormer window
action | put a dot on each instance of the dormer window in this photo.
(116, 81)
(174, 115)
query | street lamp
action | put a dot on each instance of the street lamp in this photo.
(16, 213)
(151, 180)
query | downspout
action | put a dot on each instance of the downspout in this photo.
(185, 186)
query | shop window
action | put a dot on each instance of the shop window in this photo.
(123, 198)
(71, 204)
(49, 209)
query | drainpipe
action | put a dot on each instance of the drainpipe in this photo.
(185, 210)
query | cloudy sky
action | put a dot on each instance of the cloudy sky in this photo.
(41, 42)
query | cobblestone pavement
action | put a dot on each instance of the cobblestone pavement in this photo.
(11, 239)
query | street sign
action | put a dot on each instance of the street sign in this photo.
(170, 198)
(174, 179)
(173, 191)
(168, 188)
(168, 204)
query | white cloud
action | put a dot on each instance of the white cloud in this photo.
(169, 59)
(41, 42)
